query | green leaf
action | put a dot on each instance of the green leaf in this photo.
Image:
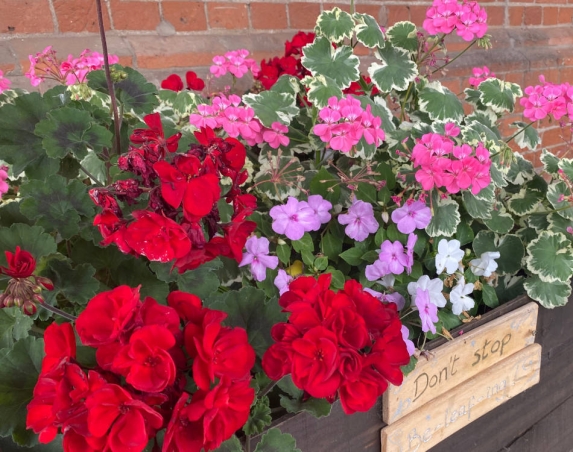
(557, 194)
(520, 170)
(403, 35)
(368, 31)
(272, 106)
(335, 25)
(353, 256)
(498, 95)
(249, 309)
(320, 263)
(305, 243)
(528, 137)
(71, 130)
(475, 132)
(202, 281)
(186, 102)
(410, 366)
(30, 238)
(134, 272)
(134, 92)
(320, 89)
(509, 246)
(283, 253)
(445, 218)
(478, 207)
(19, 371)
(76, 284)
(558, 224)
(56, 205)
(489, 296)
(231, 445)
(331, 246)
(395, 70)
(320, 58)
(13, 326)
(307, 257)
(548, 294)
(525, 202)
(278, 177)
(19, 146)
(550, 256)
(317, 407)
(566, 165)
(500, 221)
(84, 252)
(287, 84)
(440, 103)
(260, 417)
(326, 185)
(95, 167)
(275, 441)
(338, 278)
(464, 233)
(550, 162)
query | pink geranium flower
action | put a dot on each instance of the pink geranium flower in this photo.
(275, 136)
(4, 83)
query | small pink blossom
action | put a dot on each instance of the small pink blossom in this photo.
(220, 66)
(411, 216)
(257, 256)
(359, 221)
(4, 187)
(4, 83)
(427, 310)
(275, 136)
(294, 218)
(282, 281)
(479, 75)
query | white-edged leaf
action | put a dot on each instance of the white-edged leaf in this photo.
(550, 256)
(395, 71)
(278, 177)
(440, 103)
(320, 58)
(445, 217)
(320, 89)
(368, 31)
(486, 117)
(550, 161)
(404, 35)
(528, 137)
(524, 202)
(509, 246)
(475, 132)
(335, 25)
(500, 222)
(549, 295)
(559, 224)
(566, 165)
(557, 194)
(498, 95)
(479, 206)
(520, 170)
(271, 106)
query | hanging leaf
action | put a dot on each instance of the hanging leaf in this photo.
(445, 217)
(13, 326)
(335, 25)
(498, 95)
(528, 137)
(271, 106)
(549, 294)
(320, 58)
(403, 35)
(550, 256)
(550, 162)
(440, 103)
(275, 441)
(259, 418)
(368, 31)
(395, 70)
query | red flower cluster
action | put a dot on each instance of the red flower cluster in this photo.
(183, 192)
(346, 344)
(289, 63)
(144, 344)
(174, 82)
(21, 264)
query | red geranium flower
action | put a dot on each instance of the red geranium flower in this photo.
(193, 82)
(154, 135)
(21, 264)
(59, 345)
(156, 237)
(173, 83)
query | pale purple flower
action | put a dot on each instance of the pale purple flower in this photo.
(459, 297)
(321, 207)
(434, 288)
(294, 219)
(412, 239)
(282, 281)
(409, 344)
(449, 256)
(394, 297)
(428, 311)
(360, 221)
(394, 254)
(377, 270)
(257, 256)
(412, 215)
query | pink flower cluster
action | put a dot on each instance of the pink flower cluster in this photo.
(4, 187)
(344, 122)
(466, 17)
(479, 75)
(547, 99)
(4, 83)
(238, 120)
(45, 65)
(393, 259)
(442, 163)
(235, 62)
(296, 217)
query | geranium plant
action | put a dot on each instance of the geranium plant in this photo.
(184, 265)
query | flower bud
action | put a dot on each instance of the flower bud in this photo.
(29, 308)
(45, 282)
(385, 217)
(8, 301)
(38, 298)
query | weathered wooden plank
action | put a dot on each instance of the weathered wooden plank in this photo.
(442, 417)
(461, 359)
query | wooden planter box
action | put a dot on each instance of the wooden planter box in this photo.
(533, 421)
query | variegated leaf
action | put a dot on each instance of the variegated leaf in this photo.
(271, 106)
(335, 25)
(404, 35)
(500, 222)
(528, 137)
(395, 71)
(509, 246)
(279, 176)
(498, 95)
(524, 202)
(368, 31)
(550, 256)
(320, 89)
(320, 58)
(550, 162)
(549, 294)
(440, 103)
(445, 217)
(556, 194)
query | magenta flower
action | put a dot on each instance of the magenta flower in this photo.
(412, 215)
(4, 187)
(360, 221)
(294, 218)
(4, 82)
(257, 256)
(205, 117)
(427, 310)
(275, 136)
(282, 281)
(220, 67)
(321, 207)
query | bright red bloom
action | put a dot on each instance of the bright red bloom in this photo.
(193, 82)
(236, 234)
(389, 354)
(127, 423)
(112, 229)
(277, 361)
(173, 83)
(74, 442)
(227, 156)
(145, 361)
(299, 40)
(21, 264)
(59, 345)
(107, 315)
(156, 237)
(361, 393)
(154, 136)
(188, 306)
(153, 313)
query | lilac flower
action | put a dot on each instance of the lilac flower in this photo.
(294, 219)
(449, 256)
(434, 288)
(321, 207)
(282, 281)
(360, 221)
(412, 239)
(458, 296)
(394, 254)
(377, 270)
(394, 297)
(412, 215)
(409, 344)
(257, 256)
(428, 311)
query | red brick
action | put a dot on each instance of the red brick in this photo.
(342, 6)
(552, 137)
(513, 77)
(453, 84)
(134, 15)
(79, 15)
(495, 15)
(361, 50)
(228, 15)
(7, 68)
(397, 13)
(183, 60)
(268, 16)
(533, 15)
(565, 15)
(417, 14)
(566, 75)
(516, 15)
(303, 15)
(379, 13)
(550, 15)
(25, 16)
(535, 158)
(126, 60)
(184, 15)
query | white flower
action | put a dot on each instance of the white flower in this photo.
(434, 287)
(460, 302)
(485, 265)
(449, 256)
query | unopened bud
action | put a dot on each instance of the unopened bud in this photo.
(38, 298)
(46, 283)
(37, 289)
(18, 301)
(385, 217)
(29, 308)
(8, 301)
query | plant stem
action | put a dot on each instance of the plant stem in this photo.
(456, 57)
(108, 78)
(61, 313)
(352, 8)
(519, 131)
(267, 389)
(248, 443)
(91, 176)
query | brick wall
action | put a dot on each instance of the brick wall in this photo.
(159, 37)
